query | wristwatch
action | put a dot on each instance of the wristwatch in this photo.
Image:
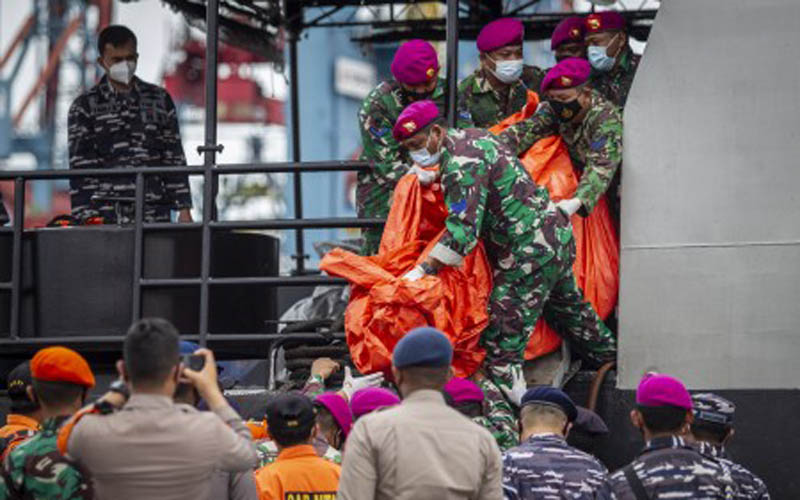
(429, 269)
(121, 388)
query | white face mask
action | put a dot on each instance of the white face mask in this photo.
(423, 157)
(507, 71)
(122, 72)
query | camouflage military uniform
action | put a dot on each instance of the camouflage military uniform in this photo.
(136, 129)
(487, 107)
(36, 470)
(529, 243)
(594, 145)
(669, 468)
(545, 467)
(376, 119)
(3, 213)
(498, 416)
(615, 84)
(750, 486)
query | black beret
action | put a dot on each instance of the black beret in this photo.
(290, 411)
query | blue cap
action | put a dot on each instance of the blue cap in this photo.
(424, 346)
(546, 395)
(188, 347)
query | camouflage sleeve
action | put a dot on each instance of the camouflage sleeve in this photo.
(464, 182)
(72, 484)
(463, 108)
(521, 136)
(500, 416)
(510, 485)
(379, 144)
(315, 385)
(5, 482)
(177, 185)
(602, 159)
(82, 153)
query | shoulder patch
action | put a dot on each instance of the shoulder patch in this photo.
(598, 144)
(378, 132)
(458, 206)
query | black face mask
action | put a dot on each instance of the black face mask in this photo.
(412, 96)
(566, 111)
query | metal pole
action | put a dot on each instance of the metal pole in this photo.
(138, 243)
(298, 182)
(16, 257)
(210, 149)
(451, 31)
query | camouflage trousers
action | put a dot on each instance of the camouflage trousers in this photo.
(371, 240)
(519, 298)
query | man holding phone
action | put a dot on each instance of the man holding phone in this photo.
(153, 448)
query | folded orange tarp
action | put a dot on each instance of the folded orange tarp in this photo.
(383, 307)
(596, 264)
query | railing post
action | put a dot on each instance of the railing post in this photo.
(451, 31)
(296, 156)
(210, 157)
(138, 250)
(16, 257)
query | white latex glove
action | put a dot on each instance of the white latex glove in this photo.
(569, 206)
(426, 177)
(352, 384)
(414, 274)
(518, 386)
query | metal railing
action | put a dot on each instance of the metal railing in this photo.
(207, 224)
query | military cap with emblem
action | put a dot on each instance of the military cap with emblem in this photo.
(569, 30)
(551, 396)
(414, 118)
(604, 21)
(709, 407)
(415, 62)
(290, 412)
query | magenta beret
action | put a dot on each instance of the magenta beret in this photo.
(499, 33)
(602, 21)
(569, 30)
(656, 389)
(370, 399)
(415, 62)
(463, 390)
(414, 118)
(339, 409)
(569, 73)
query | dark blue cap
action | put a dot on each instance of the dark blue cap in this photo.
(424, 346)
(546, 395)
(188, 347)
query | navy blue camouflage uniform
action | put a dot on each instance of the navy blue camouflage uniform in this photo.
(545, 467)
(750, 486)
(670, 468)
(138, 128)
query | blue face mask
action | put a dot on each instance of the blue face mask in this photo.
(423, 157)
(599, 59)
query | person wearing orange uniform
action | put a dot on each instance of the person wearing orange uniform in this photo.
(298, 473)
(23, 420)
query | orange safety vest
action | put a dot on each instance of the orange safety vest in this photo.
(298, 474)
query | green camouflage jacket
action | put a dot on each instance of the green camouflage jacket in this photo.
(480, 103)
(490, 196)
(36, 470)
(594, 144)
(614, 85)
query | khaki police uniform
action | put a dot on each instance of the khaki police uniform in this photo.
(420, 449)
(153, 448)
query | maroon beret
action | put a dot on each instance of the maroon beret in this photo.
(569, 30)
(415, 62)
(602, 21)
(463, 390)
(569, 73)
(499, 33)
(414, 118)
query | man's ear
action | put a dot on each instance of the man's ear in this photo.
(729, 436)
(636, 419)
(122, 371)
(31, 394)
